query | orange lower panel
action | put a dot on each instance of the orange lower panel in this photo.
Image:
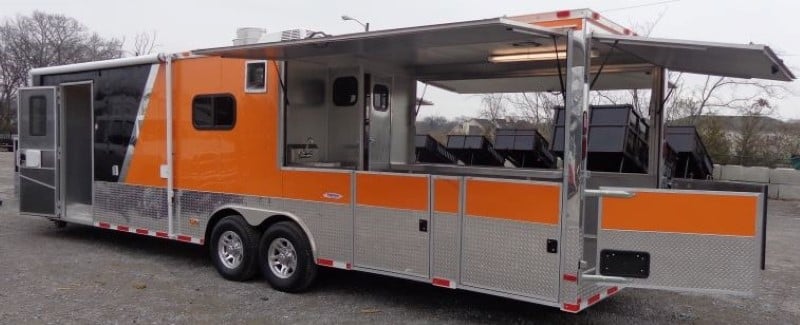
(446, 195)
(329, 187)
(530, 202)
(392, 191)
(713, 214)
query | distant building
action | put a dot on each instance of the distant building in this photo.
(482, 126)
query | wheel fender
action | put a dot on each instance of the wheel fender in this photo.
(256, 216)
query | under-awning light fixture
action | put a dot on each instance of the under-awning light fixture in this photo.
(538, 56)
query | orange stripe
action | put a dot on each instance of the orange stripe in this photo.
(317, 186)
(575, 23)
(514, 201)
(445, 195)
(392, 191)
(714, 214)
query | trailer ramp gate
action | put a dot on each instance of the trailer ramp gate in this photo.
(682, 240)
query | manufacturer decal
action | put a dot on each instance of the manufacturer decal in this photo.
(332, 196)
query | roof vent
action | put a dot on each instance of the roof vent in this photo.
(250, 35)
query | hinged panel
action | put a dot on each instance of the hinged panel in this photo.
(37, 129)
(682, 240)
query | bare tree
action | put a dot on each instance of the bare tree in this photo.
(144, 43)
(537, 109)
(41, 40)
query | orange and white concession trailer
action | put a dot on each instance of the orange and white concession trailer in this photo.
(288, 156)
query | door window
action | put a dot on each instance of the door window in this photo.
(37, 116)
(380, 97)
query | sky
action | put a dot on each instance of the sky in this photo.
(186, 25)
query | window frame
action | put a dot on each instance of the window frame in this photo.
(247, 88)
(214, 127)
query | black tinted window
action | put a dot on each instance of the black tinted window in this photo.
(37, 116)
(380, 98)
(214, 112)
(345, 91)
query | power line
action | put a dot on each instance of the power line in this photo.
(641, 5)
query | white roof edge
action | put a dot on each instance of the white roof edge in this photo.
(95, 65)
(543, 31)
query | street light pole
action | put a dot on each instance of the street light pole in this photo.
(366, 26)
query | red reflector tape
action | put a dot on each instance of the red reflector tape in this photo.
(594, 299)
(612, 290)
(572, 307)
(104, 225)
(563, 14)
(570, 277)
(142, 231)
(123, 228)
(184, 238)
(162, 234)
(325, 262)
(440, 282)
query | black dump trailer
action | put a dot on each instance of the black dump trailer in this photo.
(617, 139)
(525, 148)
(693, 160)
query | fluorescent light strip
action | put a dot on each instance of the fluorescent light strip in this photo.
(541, 56)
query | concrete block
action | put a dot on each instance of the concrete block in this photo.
(789, 192)
(786, 176)
(773, 191)
(717, 173)
(731, 172)
(755, 174)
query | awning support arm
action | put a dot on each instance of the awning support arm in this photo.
(602, 65)
(283, 85)
(560, 74)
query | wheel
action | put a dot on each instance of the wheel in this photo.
(234, 248)
(285, 258)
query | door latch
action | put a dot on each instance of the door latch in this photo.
(423, 225)
(552, 246)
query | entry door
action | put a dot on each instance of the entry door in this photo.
(380, 122)
(683, 240)
(37, 146)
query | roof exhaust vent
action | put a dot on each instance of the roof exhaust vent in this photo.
(248, 35)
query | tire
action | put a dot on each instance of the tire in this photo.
(279, 243)
(232, 263)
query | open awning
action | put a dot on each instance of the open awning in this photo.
(458, 56)
(708, 58)
(471, 42)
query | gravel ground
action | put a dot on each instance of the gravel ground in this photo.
(87, 275)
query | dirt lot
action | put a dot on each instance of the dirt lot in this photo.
(87, 275)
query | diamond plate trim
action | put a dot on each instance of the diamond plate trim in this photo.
(136, 206)
(520, 266)
(446, 242)
(390, 240)
(330, 225)
(691, 262)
